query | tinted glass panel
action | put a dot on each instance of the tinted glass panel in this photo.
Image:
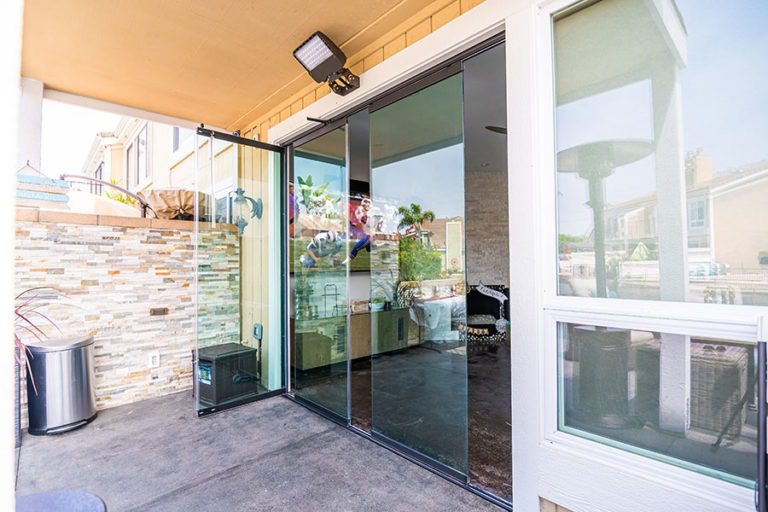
(487, 254)
(416, 229)
(318, 266)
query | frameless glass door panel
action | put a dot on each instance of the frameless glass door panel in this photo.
(319, 249)
(358, 143)
(239, 353)
(487, 255)
(418, 312)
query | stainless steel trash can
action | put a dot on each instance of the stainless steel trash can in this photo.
(63, 374)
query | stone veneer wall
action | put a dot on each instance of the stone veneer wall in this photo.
(487, 227)
(111, 271)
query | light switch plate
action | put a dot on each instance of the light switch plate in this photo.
(154, 359)
(258, 331)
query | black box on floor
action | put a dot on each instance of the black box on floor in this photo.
(226, 372)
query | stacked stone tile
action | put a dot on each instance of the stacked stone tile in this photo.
(111, 272)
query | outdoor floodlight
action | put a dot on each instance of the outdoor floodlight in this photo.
(245, 208)
(324, 61)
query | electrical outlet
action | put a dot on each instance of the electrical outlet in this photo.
(258, 331)
(154, 359)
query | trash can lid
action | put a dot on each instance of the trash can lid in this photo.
(58, 344)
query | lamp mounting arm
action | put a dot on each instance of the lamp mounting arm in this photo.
(343, 81)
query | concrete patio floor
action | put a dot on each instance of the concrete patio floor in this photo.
(268, 455)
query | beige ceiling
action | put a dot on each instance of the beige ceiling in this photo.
(212, 61)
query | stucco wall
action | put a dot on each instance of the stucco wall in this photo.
(111, 271)
(744, 208)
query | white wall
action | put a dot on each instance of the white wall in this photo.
(10, 65)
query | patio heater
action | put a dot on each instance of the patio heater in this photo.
(595, 161)
(324, 61)
(604, 352)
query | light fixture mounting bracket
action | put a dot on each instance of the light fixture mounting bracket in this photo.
(343, 81)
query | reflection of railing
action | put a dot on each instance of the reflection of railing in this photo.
(77, 177)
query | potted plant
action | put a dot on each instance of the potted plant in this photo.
(29, 321)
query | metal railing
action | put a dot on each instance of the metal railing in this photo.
(78, 177)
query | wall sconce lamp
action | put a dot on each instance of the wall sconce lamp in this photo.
(324, 61)
(245, 208)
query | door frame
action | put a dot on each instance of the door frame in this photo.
(436, 72)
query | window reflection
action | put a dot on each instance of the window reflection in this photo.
(687, 400)
(318, 266)
(662, 166)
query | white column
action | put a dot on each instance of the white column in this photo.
(672, 232)
(10, 38)
(675, 383)
(30, 124)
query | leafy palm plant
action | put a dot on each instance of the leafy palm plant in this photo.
(414, 216)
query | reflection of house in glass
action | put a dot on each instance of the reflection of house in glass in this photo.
(715, 201)
(446, 236)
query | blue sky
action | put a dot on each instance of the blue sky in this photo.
(434, 180)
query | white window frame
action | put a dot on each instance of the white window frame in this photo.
(600, 474)
(98, 173)
(142, 181)
(576, 473)
(130, 163)
(186, 147)
(225, 192)
(693, 206)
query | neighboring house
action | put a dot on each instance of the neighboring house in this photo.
(143, 155)
(714, 201)
(733, 201)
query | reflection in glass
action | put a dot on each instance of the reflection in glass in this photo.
(685, 400)
(487, 261)
(662, 165)
(239, 344)
(418, 308)
(319, 246)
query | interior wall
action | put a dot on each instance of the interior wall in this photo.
(487, 235)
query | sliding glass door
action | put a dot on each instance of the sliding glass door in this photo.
(419, 367)
(399, 265)
(318, 261)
